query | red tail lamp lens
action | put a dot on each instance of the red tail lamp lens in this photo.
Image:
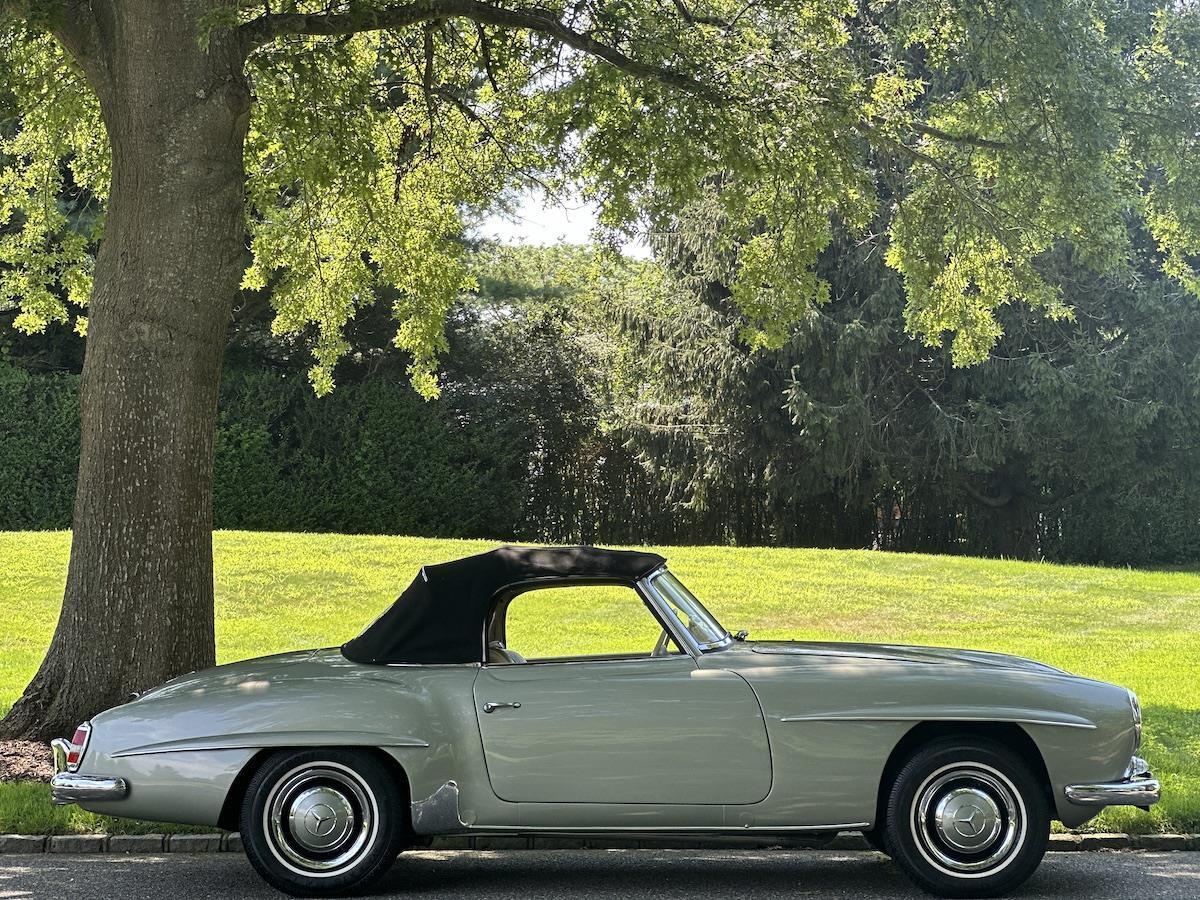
(79, 743)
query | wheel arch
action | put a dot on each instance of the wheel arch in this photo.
(1008, 734)
(232, 805)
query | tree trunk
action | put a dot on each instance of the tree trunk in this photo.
(138, 607)
(1016, 530)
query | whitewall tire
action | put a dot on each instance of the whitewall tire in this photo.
(967, 818)
(318, 823)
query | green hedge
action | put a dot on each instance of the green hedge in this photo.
(371, 458)
(39, 449)
(374, 458)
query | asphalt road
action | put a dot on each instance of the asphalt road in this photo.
(619, 874)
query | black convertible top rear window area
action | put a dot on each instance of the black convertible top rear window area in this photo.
(440, 617)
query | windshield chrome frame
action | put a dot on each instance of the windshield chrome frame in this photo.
(666, 612)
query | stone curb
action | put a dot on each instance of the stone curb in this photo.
(231, 842)
(194, 843)
(77, 843)
(22, 843)
(135, 843)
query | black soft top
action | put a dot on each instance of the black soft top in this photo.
(440, 617)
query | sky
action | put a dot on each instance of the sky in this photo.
(538, 219)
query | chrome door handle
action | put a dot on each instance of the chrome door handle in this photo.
(491, 707)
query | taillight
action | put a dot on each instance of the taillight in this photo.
(79, 742)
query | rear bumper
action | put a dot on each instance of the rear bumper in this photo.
(67, 787)
(72, 787)
(1137, 788)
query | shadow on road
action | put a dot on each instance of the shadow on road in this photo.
(587, 875)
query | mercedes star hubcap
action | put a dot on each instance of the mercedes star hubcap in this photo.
(320, 818)
(968, 820)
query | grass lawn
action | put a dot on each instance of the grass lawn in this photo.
(279, 592)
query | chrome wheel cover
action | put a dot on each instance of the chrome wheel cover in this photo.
(320, 819)
(968, 820)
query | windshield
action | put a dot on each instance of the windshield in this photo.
(704, 629)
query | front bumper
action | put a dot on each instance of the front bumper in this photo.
(72, 787)
(1137, 788)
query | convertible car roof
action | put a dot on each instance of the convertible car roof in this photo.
(440, 617)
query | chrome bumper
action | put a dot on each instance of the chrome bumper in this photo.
(71, 787)
(1137, 788)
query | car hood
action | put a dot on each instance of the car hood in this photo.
(945, 656)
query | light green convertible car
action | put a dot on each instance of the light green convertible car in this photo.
(467, 709)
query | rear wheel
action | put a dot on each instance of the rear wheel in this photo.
(322, 822)
(967, 819)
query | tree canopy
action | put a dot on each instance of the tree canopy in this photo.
(595, 401)
(999, 131)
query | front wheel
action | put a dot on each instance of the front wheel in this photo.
(967, 819)
(317, 823)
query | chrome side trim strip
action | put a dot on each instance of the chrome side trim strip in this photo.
(919, 717)
(844, 654)
(68, 787)
(588, 660)
(438, 813)
(264, 739)
(668, 829)
(466, 665)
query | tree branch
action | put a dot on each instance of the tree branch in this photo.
(971, 139)
(65, 19)
(486, 54)
(992, 502)
(267, 28)
(74, 24)
(693, 19)
(991, 214)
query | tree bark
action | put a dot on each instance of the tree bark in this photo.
(1014, 517)
(138, 607)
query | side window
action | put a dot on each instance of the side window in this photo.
(593, 620)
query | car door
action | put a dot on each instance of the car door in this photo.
(624, 728)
